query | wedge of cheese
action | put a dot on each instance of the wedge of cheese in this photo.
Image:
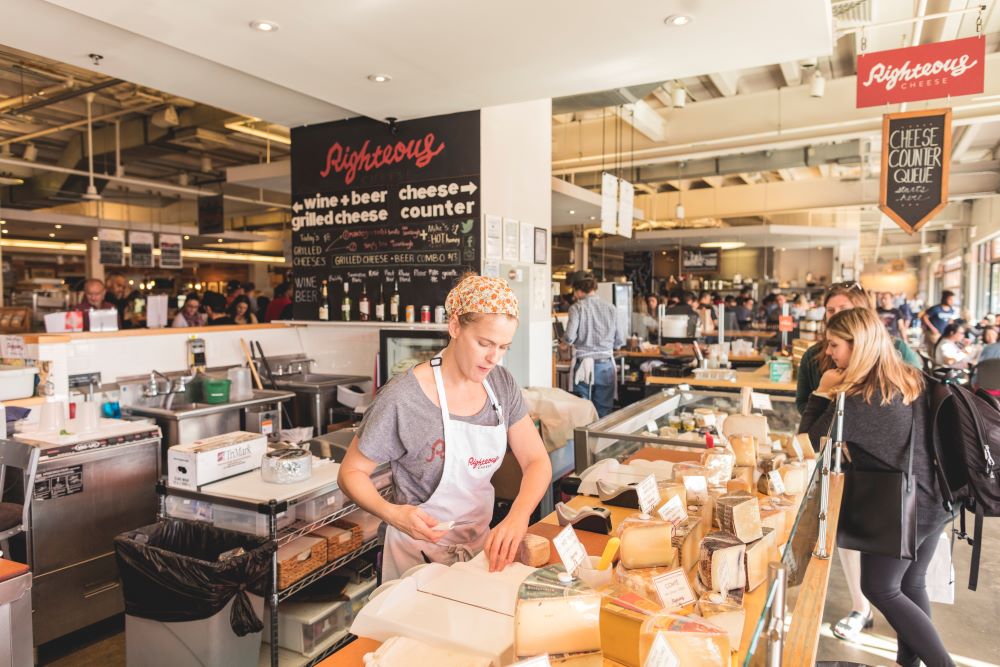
(722, 553)
(744, 449)
(640, 581)
(556, 617)
(720, 464)
(745, 474)
(646, 542)
(534, 550)
(795, 476)
(687, 543)
(694, 641)
(774, 518)
(739, 514)
(622, 615)
(725, 613)
(735, 485)
(759, 554)
(770, 462)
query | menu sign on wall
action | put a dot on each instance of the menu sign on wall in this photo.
(925, 72)
(111, 244)
(916, 155)
(376, 207)
(170, 251)
(141, 249)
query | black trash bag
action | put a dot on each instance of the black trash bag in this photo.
(170, 573)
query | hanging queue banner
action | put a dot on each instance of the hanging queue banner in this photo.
(379, 206)
(916, 156)
(925, 72)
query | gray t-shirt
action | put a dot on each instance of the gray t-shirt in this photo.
(404, 427)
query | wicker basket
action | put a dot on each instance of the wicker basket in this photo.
(300, 557)
(339, 543)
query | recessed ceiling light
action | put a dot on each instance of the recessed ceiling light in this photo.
(94, 237)
(572, 212)
(187, 238)
(58, 226)
(51, 235)
(723, 245)
(219, 240)
(264, 26)
(2, 223)
(593, 217)
(379, 78)
(677, 20)
(6, 231)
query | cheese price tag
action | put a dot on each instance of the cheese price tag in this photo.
(797, 448)
(761, 401)
(774, 478)
(696, 484)
(674, 589)
(673, 511)
(537, 661)
(649, 494)
(660, 654)
(571, 552)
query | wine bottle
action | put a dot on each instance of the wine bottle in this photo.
(394, 304)
(345, 306)
(364, 304)
(380, 306)
(324, 303)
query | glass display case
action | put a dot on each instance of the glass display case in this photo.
(401, 350)
(623, 433)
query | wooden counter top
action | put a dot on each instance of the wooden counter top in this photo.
(756, 379)
(168, 331)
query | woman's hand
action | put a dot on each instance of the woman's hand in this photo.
(503, 541)
(830, 379)
(416, 523)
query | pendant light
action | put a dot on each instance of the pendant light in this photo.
(679, 209)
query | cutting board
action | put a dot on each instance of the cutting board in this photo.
(250, 487)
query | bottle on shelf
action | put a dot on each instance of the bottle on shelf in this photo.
(394, 304)
(380, 306)
(364, 304)
(324, 303)
(345, 307)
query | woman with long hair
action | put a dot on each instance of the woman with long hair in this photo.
(815, 362)
(884, 400)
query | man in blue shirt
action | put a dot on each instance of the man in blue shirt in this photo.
(936, 318)
(594, 332)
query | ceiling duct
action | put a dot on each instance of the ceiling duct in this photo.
(604, 98)
(198, 138)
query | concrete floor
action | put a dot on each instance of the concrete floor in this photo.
(969, 628)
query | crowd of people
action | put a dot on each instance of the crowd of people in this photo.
(242, 303)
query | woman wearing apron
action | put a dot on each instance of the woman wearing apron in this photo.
(445, 426)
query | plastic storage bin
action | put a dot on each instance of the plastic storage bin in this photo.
(17, 382)
(368, 522)
(186, 508)
(320, 506)
(354, 399)
(248, 521)
(308, 627)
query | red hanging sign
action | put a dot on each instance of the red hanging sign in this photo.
(926, 72)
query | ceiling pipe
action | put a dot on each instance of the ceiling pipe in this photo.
(91, 193)
(78, 123)
(68, 95)
(13, 100)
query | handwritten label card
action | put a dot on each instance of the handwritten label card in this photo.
(673, 511)
(761, 401)
(778, 484)
(571, 552)
(649, 494)
(674, 589)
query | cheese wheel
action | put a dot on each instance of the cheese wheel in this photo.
(694, 641)
(555, 617)
(739, 514)
(722, 552)
(534, 550)
(646, 542)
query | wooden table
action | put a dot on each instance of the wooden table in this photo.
(758, 378)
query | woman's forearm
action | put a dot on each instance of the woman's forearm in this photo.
(359, 486)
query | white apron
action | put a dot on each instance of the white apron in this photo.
(472, 454)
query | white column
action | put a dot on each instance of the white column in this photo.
(93, 261)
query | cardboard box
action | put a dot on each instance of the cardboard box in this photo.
(208, 460)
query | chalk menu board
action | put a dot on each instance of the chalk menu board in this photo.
(375, 207)
(639, 271)
(916, 154)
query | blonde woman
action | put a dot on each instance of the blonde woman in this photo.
(885, 396)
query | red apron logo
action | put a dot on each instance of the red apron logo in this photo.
(349, 161)
(477, 464)
(925, 72)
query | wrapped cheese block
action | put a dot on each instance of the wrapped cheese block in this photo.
(622, 615)
(640, 581)
(795, 476)
(735, 485)
(739, 514)
(695, 642)
(556, 615)
(646, 542)
(744, 448)
(758, 555)
(725, 613)
(534, 550)
(720, 464)
(723, 557)
(407, 652)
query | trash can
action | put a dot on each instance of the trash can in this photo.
(194, 594)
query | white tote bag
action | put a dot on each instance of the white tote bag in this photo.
(941, 573)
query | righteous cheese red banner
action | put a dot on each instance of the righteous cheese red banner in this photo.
(926, 72)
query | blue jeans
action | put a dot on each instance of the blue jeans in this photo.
(602, 392)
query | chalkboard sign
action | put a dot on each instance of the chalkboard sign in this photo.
(639, 271)
(379, 206)
(916, 156)
(141, 249)
(211, 215)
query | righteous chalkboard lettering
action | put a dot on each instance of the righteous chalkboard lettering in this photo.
(916, 151)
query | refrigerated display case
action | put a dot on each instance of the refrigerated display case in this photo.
(623, 433)
(399, 351)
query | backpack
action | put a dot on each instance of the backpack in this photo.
(966, 451)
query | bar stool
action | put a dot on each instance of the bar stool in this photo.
(15, 518)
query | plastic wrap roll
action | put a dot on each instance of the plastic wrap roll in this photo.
(286, 466)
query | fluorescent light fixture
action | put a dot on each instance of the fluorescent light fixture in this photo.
(818, 85)
(677, 20)
(275, 133)
(379, 78)
(189, 254)
(264, 26)
(723, 245)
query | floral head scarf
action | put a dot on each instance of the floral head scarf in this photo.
(481, 294)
